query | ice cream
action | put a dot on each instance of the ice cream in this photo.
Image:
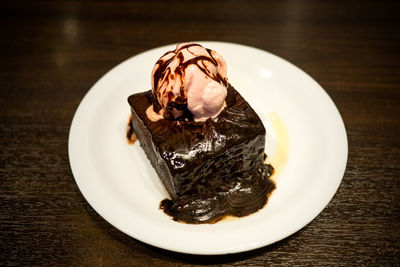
(189, 81)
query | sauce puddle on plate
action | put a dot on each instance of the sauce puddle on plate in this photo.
(130, 134)
(280, 156)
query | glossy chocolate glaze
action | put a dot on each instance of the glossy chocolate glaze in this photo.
(212, 168)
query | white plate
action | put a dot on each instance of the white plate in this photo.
(120, 184)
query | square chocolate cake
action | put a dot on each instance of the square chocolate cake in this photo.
(211, 168)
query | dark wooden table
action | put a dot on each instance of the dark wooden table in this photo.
(52, 53)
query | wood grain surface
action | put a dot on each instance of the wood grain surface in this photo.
(52, 52)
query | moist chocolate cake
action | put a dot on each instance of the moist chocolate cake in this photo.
(211, 168)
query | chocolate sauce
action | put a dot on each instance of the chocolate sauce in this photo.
(238, 195)
(130, 134)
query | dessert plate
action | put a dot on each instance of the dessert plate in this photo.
(119, 183)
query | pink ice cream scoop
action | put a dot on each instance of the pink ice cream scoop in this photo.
(190, 79)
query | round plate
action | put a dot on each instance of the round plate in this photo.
(120, 184)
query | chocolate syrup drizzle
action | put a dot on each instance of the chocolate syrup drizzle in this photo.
(180, 102)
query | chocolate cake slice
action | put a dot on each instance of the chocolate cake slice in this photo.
(211, 168)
